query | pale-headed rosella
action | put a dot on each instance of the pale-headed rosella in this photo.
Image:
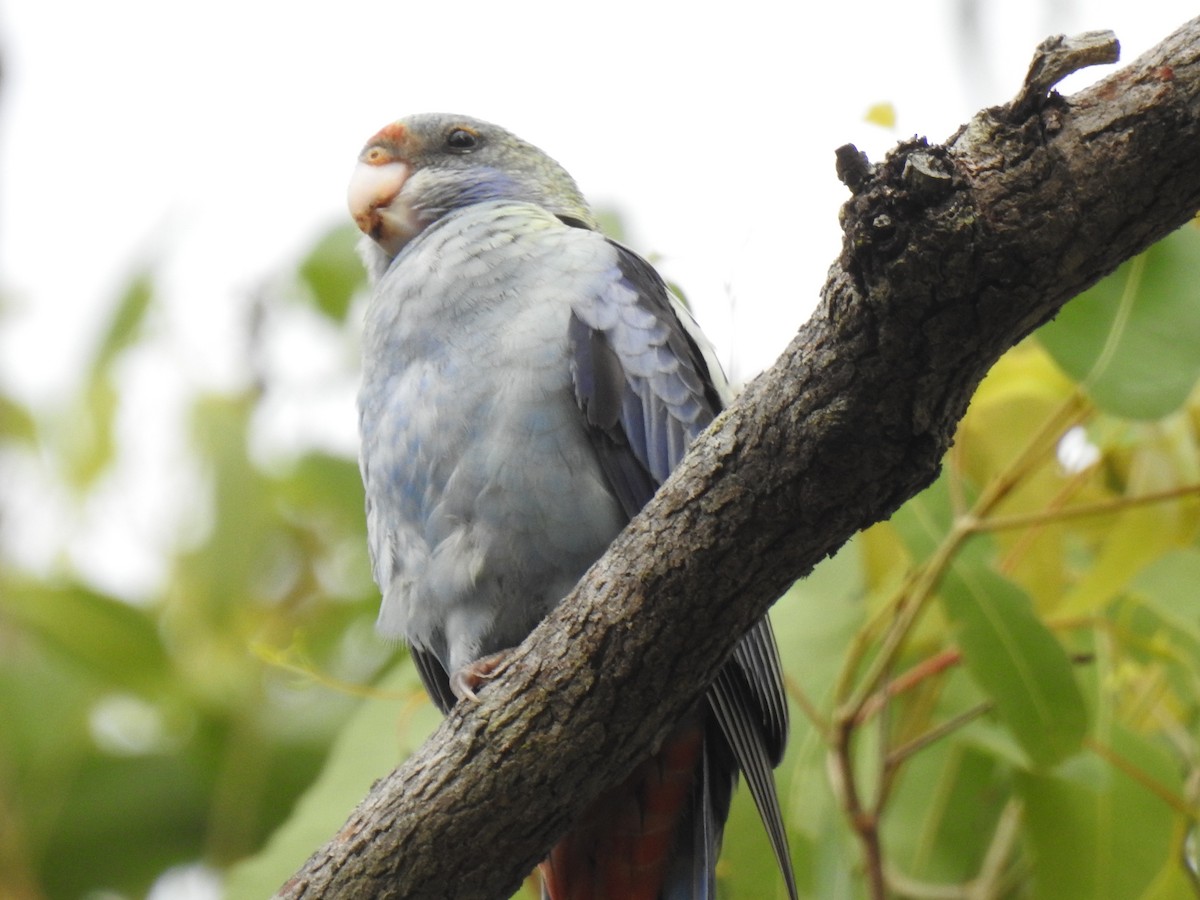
(527, 385)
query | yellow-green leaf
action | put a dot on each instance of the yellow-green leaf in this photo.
(1132, 339)
(1016, 660)
(1096, 832)
(882, 114)
(333, 271)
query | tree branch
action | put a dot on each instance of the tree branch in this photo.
(952, 254)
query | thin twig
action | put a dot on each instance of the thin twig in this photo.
(922, 671)
(1083, 510)
(935, 734)
(864, 823)
(990, 881)
(1153, 785)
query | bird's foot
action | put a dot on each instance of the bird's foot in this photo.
(471, 677)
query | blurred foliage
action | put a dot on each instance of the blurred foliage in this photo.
(141, 733)
(999, 688)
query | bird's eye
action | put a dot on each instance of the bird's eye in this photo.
(462, 140)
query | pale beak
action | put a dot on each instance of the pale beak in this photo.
(378, 210)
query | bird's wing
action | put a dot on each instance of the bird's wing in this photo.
(747, 700)
(434, 677)
(647, 382)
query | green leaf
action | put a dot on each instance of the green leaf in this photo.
(378, 736)
(16, 421)
(1135, 538)
(1016, 660)
(1160, 618)
(1132, 339)
(235, 556)
(1095, 832)
(1169, 587)
(87, 430)
(924, 521)
(87, 426)
(944, 812)
(882, 114)
(126, 321)
(76, 818)
(333, 271)
(326, 487)
(118, 643)
(157, 804)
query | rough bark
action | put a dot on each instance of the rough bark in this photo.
(952, 254)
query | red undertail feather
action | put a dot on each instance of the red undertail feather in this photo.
(621, 845)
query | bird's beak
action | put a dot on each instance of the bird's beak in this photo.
(375, 202)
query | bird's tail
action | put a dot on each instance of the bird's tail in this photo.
(654, 837)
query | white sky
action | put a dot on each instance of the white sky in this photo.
(216, 139)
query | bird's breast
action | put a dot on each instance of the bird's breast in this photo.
(486, 500)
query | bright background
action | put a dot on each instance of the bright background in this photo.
(213, 142)
(209, 146)
(135, 130)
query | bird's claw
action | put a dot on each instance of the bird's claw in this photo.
(466, 680)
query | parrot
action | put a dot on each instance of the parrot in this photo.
(527, 384)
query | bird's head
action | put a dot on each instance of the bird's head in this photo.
(419, 169)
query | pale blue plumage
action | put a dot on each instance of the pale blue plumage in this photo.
(474, 459)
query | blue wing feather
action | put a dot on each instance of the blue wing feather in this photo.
(647, 386)
(434, 677)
